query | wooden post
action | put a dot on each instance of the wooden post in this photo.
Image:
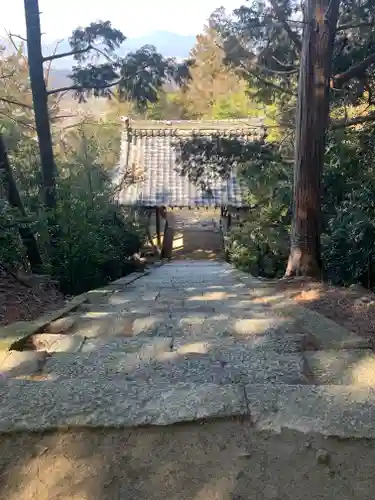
(158, 234)
(229, 220)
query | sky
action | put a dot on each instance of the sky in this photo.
(134, 19)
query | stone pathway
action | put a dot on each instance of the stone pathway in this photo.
(190, 341)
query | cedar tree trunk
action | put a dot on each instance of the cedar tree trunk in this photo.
(311, 125)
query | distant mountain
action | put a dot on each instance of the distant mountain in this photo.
(59, 77)
(168, 44)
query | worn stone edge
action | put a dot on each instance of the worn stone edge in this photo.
(332, 411)
(342, 411)
(13, 336)
(260, 288)
(114, 405)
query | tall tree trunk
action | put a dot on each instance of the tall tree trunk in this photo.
(40, 101)
(311, 125)
(14, 200)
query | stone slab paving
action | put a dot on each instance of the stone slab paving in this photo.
(215, 343)
(345, 367)
(332, 410)
(225, 366)
(343, 411)
(326, 333)
(94, 402)
(195, 340)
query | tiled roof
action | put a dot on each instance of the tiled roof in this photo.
(149, 156)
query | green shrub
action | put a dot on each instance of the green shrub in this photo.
(260, 244)
(96, 237)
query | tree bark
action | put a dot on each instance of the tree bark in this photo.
(40, 101)
(14, 200)
(311, 124)
(42, 123)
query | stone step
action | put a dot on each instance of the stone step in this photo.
(103, 402)
(343, 411)
(182, 322)
(54, 342)
(347, 367)
(278, 344)
(178, 307)
(21, 363)
(145, 347)
(218, 365)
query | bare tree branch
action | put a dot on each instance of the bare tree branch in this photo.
(278, 72)
(250, 72)
(287, 67)
(353, 71)
(61, 117)
(18, 36)
(53, 57)
(17, 120)
(7, 75)
(353, 26)
(10, 36)
(50, 63)
(267, 82)
(80, 88)
(101, 52)
(16, 103)
(352, 121)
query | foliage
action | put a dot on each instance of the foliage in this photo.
(138, 76)
(96, 237)
(143, 73)
(233, 105)
(349, 208)
(244, 65)
(262, 42)
(11, 250)
(259, 244)
(262, 45)
(213, 90)
(169, 106)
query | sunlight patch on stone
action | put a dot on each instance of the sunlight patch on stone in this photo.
(193, 348)
(363, 374)
(95, 314)
(253, 326)
(213, 296)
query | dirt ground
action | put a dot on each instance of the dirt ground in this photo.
(24, 302)
(352, 308)
(222, 460)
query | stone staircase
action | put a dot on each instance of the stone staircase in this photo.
(189, 341)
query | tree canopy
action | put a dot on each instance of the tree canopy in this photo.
(263, 42)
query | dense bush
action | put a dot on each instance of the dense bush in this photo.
(95, 235)
(260, 245)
